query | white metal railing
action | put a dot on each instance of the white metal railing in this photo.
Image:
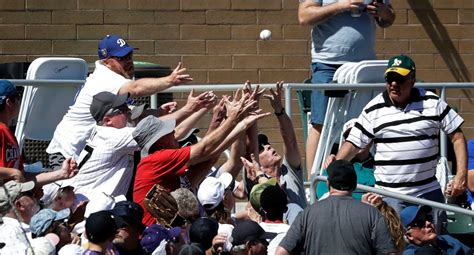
(288, 97)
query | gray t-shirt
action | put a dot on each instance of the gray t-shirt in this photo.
(291, 180)
(343, 38)
(339, 225)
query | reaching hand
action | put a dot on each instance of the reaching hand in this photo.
(218, 113)
(195, 103)
(254, 94)
(68, 169)
(252, 168)
(275, 97)
(379, 10)
(178, 76)
(15, 174)
(167, 108)
(218, 243)
(239, 106)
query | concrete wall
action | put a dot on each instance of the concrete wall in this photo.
(217, 40)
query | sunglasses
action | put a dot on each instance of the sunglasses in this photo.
(120, 110)
(420, 222)
(397, 78)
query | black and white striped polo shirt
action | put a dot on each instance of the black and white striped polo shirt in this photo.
(406, 140)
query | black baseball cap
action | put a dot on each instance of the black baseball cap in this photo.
(104, 101)
(249, 230)
(101, 226)
(203, 230)
(262, 141)
(128, 212)
(341, 175)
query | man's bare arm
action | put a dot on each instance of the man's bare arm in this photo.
(150, 86)
(460, 150)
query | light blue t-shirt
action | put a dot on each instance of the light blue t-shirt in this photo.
(343, 38)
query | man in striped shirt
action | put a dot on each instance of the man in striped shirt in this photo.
(404, 123)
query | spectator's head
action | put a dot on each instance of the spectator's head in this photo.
(341, 176)
(129, 217)
(269, 158)
(155, 234)
(21, 196)
(419, 226)
(50, 221)
(63, 198)
(117, 55)
(202, 231)
(190, 138)
(9, 100)
(101, 227)
(249, 237)
(273, 203)
(42, 222)
(256, 193)
(153, 134)
(212, 190)
(191, 249)
(400, 78)
(110, 110)
(188, 205)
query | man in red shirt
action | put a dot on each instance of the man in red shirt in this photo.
(11, 160)
(166, 162)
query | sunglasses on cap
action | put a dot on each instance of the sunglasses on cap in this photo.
(120, 110)
(420, 222)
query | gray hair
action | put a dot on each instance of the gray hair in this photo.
(188, 205)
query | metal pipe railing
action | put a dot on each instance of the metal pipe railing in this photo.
(414, 200)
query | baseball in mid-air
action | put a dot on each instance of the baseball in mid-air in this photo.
(265, 34)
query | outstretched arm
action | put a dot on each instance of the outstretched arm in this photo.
(347, 151)
(68, 170)
(150, 86)
(290, 148)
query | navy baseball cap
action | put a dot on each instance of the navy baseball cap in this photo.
(409, 214)
(113, 46)
(7, 89)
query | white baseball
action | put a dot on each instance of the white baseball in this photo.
(265, 34)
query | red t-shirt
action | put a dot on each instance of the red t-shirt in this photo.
(163, 167)
(10, 155)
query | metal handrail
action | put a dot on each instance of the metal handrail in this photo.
(288, 90)
(414, 200)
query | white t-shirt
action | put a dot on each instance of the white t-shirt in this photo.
(109, 168)
(279, 229)
(76, 126)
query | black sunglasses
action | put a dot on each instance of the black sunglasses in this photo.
(420, 222)
(397, 78)
(120, 110)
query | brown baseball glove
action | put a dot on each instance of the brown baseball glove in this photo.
(163, 207)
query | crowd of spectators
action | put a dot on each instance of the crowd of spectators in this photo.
(183, 201)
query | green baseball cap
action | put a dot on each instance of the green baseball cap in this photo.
(401, 64)
(257, 191)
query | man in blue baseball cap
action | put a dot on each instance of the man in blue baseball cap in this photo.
(114, 72)
(422, 236)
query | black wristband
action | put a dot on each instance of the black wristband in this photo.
(281, 112)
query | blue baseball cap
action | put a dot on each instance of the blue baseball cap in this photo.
(409, 214)
(45, 218)
(113, 46)
(7, 89)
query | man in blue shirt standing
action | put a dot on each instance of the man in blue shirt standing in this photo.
(338, 36)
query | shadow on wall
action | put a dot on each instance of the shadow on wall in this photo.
(440, 38)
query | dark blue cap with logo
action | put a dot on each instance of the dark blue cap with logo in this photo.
(7, 89)
(113, 46)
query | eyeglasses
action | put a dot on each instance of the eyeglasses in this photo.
(420, 222)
